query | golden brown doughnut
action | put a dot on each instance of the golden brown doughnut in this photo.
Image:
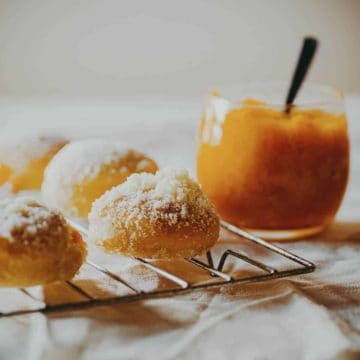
(165, 215)
(22, 162)
(37, 246)
(83, 170)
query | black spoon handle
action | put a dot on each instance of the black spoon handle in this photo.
(305, 58)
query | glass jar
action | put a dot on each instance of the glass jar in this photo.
(281, 175)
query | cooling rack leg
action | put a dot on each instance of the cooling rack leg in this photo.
(210, 259)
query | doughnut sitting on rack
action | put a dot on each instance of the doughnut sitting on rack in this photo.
(83, 170)
(160, 216)
(37, 246)
(23, 161)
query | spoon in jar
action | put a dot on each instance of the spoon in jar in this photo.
(304, 61)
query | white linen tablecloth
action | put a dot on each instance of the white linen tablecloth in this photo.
(314, 316)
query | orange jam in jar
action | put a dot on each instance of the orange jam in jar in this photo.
(282, 175)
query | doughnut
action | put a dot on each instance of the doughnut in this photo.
(159, 216)
(37, 246)
(83, 170)
(22, 162)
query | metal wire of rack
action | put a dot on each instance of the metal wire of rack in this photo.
(217, 277)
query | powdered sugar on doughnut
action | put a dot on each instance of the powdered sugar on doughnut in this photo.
(83, 160)
(18, 153)
(169, 200)
(25, 220)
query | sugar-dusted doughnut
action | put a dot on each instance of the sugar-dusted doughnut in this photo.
(37, 246)
(23, 160)
(165, 215)
(83, 170)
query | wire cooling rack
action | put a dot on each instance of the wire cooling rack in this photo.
(217, 277)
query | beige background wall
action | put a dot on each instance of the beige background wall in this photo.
(114, 47)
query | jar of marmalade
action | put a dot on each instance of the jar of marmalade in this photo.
(281, 175)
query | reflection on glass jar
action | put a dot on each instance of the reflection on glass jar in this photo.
(281, 175)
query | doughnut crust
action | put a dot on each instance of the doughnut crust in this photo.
(37, 246)
(160, 216)
(22, 162)
(83, 170)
